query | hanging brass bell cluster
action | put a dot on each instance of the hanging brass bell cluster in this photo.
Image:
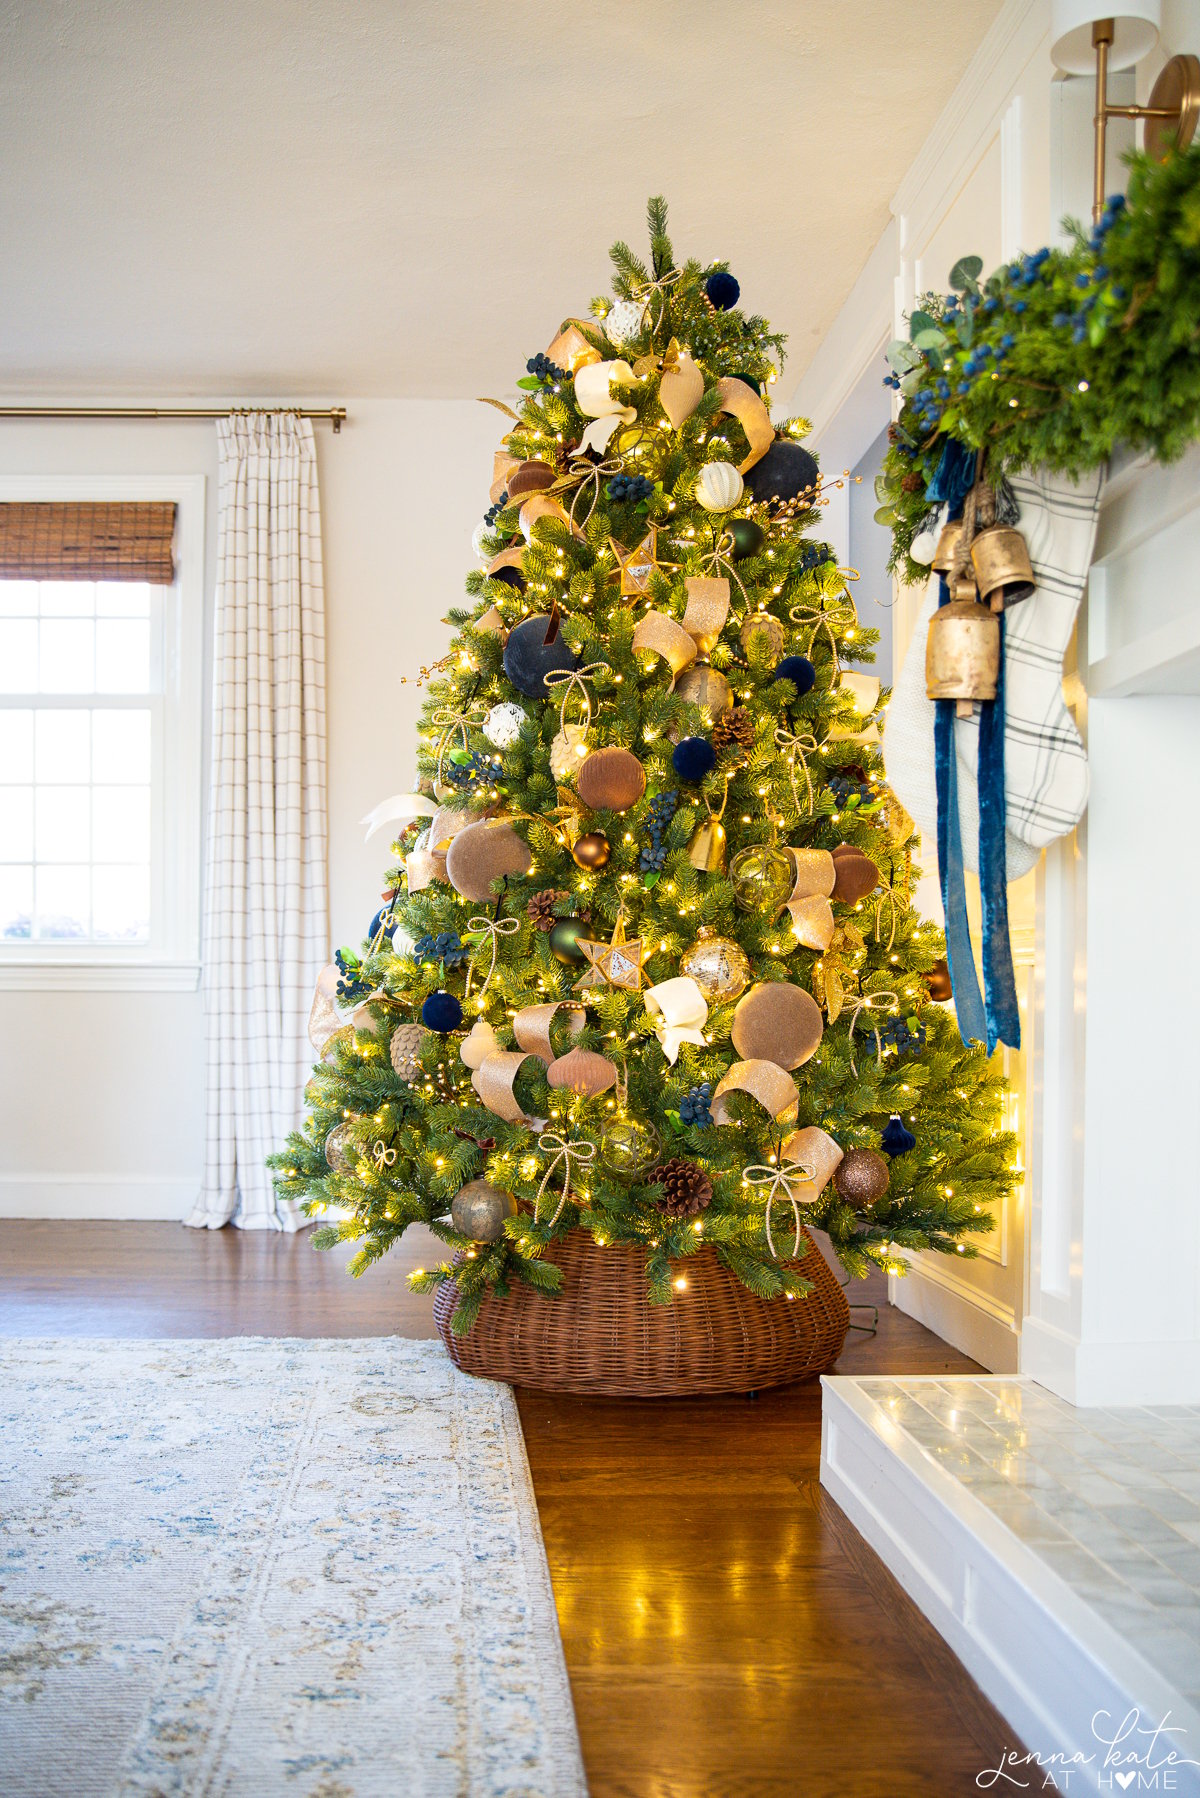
(962, 654)
(987, 567)
(1003, 571)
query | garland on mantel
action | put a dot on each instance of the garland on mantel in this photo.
(1057, 357)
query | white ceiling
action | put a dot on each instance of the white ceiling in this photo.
(293, 198)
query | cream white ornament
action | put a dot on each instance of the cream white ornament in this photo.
(568, 752)
(477, 536)
(624, 320)
(719, 487)
(480, 1042)
(502, 726)
(924, 544)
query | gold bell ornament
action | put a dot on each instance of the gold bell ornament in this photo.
(962, 654)
(945, 554)
(708, 848)
(1003, 570)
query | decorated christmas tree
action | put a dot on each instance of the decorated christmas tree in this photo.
(648, 966)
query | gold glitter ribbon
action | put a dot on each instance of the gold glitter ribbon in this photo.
(450, 721)
(871, 1002)
(798, 748)
(769, 1085)
(566, 1152)
(491, 929)
(777, 1182)
(570, 679)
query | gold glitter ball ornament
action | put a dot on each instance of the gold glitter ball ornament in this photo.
(479, 1210)
(717, 964)
(628, 1146)
(861, 1177)
(705, 686)
(762, 877)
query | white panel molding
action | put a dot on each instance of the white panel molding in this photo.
(974, 1320)
(1046, 1660)
(137, 1197)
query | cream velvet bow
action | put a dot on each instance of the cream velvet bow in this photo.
(680, 1012)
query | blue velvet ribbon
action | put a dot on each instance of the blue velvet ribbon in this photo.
(999, 983)
(968, 1001)
(954, 479)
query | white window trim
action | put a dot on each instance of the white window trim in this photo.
(175, 967)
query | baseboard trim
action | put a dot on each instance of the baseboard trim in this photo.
(140, 1197)
(1046, 1660)
(972, 1325)
(1111, 1373)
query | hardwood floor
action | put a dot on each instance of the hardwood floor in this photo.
(728, 1633)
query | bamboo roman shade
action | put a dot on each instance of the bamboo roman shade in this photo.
(123, 541)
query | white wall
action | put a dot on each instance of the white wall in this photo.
(101, 1104)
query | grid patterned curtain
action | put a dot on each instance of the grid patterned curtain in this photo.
(265, 918)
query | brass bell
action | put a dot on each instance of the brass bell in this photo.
(706, 686)
(706, 851)
(1002, 566)
(962, 654)
(947, 547)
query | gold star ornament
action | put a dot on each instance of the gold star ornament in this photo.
(616, 964)
(635, 566)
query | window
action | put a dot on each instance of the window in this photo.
(99, 769)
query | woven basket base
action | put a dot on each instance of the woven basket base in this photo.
(601, 1334)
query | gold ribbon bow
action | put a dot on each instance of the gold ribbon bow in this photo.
(554, 1146)
(490, 929)
(570, 679)
(450, 721)
(896, 903)
(871, 1002)
(798, 748)
(777, 1181)
(383, 1156)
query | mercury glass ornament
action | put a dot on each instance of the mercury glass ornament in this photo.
(717, 964)
(762, 877)
(479, 1210)
(704, 685)
(628, 1146)
(337, 1149)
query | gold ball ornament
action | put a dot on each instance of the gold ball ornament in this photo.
(479, 1211)
(861, 1177)
(405, 1050)
(611, 780)
(777, 1022)
(761, 627)
(592, 850)
(705, 686)
(717, 964)
(628, 1146)
(762, 877)
(337, 1148)
(938, 982)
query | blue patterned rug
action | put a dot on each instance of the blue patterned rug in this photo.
(241, 1566)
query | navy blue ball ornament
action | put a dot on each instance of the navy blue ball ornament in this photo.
(441, 1012)
(722, 290)
(896, 1139)
(694, 757)
(784, 472)
(534, 649)
(799, 670)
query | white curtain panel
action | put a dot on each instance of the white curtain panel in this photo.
(265, 915)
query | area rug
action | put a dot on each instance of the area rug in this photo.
(242, 1566)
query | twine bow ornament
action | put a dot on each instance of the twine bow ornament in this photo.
(449, 721)
(798, 747)
(778, 1181)
(383, 1156)
(573, 680)
(566, 1152)
(489, 930)
(884, 1001)
(657, 290)
(896, 903)
(719, 561)
(585, 477)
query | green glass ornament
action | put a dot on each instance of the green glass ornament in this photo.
(762, 877)
(564, 941)
(748, 537)
(628, 1146)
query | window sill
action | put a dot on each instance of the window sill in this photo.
(82, 975)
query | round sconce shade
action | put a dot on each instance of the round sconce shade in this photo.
(1135, 32)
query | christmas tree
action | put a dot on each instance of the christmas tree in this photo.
(648, 965)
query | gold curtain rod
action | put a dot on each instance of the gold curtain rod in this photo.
(335, 414)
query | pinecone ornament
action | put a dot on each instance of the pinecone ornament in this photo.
(540, 909)
(734, 730)
(686, 1188)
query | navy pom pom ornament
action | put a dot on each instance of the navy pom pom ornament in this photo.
(896, 1138)
(694, 757)
(534, 649)
(799, 670)
(441, 1012)
(784, 472)
(722, 290)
